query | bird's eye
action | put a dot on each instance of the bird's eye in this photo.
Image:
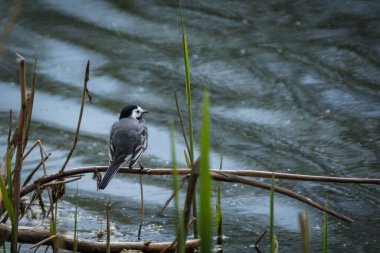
(138, 111)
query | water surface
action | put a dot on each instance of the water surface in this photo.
(294, 82)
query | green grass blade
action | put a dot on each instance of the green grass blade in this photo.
(271, 217)
(7, 199)
(205, 187)
(324, 243)
(180, 228)
(9, 172)
(187, 159)
(304, 227)
(188, 86)
(189, 111)
(218, 215)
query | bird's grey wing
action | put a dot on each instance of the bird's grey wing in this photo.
(111, 147)
(140, 146)
(145, 137)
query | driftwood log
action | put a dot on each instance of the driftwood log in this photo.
(30, 235)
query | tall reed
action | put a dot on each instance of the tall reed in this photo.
(189, 110)
(218, 211)
(325, 221)
(205, 187)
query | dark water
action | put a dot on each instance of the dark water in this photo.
(297, 82)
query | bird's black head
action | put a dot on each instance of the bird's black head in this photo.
(132, 111)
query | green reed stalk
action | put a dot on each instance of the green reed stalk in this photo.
(7, 194)
(324, 242)
(307, 243)
(53, 226)
(205, 187)
(8, 201)
(189, 110)
(218, 215)
(304, 225)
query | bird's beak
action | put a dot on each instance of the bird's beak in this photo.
(144, 112)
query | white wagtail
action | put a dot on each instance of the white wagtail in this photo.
(128, 140)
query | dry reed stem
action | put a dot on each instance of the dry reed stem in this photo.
(42, 154)
(76, 138)
(108, 215)
(190, 194)
(60, 182)
(44, 241)
(29, 110)
(141, 208)
(302, 223)
(19, 152)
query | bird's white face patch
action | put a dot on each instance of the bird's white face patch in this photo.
(137, 113)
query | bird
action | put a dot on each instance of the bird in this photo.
(127, 142)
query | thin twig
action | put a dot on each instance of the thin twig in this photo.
(85, 90)
(108, 214)
(31, 174)
(142, 207)
(258, 239)
(42, 153)
(44, 241)
(184, 179)
(183, 127)
(60, 182)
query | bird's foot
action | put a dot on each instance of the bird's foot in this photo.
(142, 168)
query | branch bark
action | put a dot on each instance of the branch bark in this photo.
(159, 171)
(32, 235)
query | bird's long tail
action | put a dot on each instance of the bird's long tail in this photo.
(114, 167)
